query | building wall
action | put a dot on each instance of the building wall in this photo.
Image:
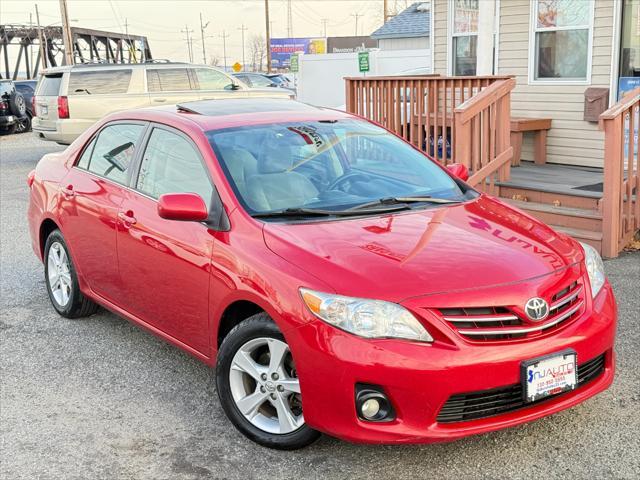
(571, 140)
(409, 43)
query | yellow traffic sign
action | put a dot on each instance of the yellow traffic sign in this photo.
(236, 67)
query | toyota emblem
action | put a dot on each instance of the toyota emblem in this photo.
(537, 309)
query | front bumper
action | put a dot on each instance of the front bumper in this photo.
(420, 378)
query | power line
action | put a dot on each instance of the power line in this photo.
(202, 27)
(224, 36)
(188, 33)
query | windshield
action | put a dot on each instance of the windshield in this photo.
(327, 165)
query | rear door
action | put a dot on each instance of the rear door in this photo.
(94, 93)
(214, 84)
(47, 93)
(165, 264)
(168, 86)
(91, 194)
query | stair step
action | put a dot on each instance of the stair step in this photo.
(550, 198)
(577, 218)
(587, 236)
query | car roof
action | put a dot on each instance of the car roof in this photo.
(224, 113)
(120, 66)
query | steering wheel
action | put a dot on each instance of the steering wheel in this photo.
(348, 177)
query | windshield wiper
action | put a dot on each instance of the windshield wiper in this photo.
(403, 201)
(313, 212)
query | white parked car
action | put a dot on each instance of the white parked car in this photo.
(70, 99)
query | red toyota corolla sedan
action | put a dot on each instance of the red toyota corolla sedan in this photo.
(339, 280)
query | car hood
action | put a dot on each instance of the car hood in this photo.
(393, 257)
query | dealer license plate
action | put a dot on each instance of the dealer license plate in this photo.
(44, 111)
(549, 375)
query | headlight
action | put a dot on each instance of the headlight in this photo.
(364, 317)
(595, 268)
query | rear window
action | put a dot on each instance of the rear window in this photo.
(113, 151)
(49, 85)
(99, 82)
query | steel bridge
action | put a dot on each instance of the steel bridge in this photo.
(89, 46)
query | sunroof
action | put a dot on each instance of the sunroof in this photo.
(234, 106)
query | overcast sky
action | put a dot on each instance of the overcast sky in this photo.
(162, 20)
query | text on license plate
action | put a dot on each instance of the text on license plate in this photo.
(549, 375)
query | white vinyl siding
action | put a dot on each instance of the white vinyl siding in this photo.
(409, 43)
(440, 36)
(571, 140)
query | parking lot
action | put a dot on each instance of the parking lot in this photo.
(100, 398)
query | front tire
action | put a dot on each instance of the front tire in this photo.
(258, 386)
(62, 281)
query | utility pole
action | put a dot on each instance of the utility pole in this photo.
(224, 36)
(188, 32)
(356, 16)
(41, 40)
(242, 30)
(66, 33)
(202, 27)
(268, 36)
(324, 26)
(289, 20)
(385, 9)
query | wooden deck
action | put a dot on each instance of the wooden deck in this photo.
(561, 179)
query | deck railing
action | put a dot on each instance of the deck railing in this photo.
(453, 119)
(482, 140)
(620, 200)
(419, 108)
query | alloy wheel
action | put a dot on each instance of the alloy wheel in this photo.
(59, 274)
(265, 387)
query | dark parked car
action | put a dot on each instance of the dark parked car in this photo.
(27, 88)
(13, 109)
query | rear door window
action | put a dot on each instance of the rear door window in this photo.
(210, 79)
(168, 80)
(100, 82)
(114, 151)
(49, 85)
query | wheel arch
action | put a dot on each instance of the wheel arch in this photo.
(232, 315)
(46, 227)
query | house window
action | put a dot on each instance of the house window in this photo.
(464, 36)
(562, 40)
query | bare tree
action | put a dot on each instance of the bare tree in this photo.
(399, 6)
(257, 52)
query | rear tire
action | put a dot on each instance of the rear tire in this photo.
(256, 375)
(62, 280)
(23, 124)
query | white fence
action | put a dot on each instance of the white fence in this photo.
(320, 80)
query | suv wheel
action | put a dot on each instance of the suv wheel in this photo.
(258, 386)
(62, 281)
(17, 105)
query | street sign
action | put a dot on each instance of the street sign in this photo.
(236, 67)
(294, 65)
(363, 61)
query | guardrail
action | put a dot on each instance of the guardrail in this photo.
(620, 202)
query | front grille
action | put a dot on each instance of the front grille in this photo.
(487, 403)
(502, 323)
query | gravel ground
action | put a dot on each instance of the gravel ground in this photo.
(100, 398)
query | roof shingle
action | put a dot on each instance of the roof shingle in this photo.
(412, 22)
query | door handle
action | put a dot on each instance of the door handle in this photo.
(68, 191)
(159, 100)
(127, 218)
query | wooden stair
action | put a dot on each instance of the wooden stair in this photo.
(574, 215)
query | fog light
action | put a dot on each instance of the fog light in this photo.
(370, 408)
(372, 404)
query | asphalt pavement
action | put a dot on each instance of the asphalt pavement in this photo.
(101, 399)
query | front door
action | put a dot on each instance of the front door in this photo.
(91, 196)
(164, 264)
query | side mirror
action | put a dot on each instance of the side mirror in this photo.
(459, 170)
(187, 207)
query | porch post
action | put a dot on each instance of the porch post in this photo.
(612, 186)
(486, 27)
